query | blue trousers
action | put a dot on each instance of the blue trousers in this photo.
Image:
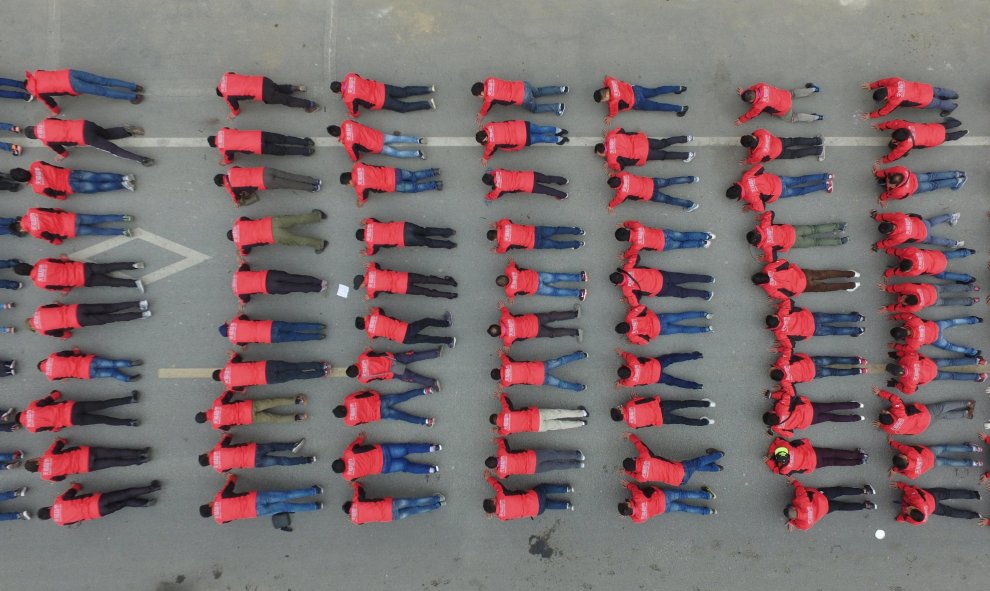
(643, 95)
(661, 197)
(672, 358)
(395, 460)
(13, 94)
(86, 225)
(802, 185)
(542, 490)
(669, 323)
(87, 83)
(271, 502)
(552, 364)
(824, 321)
(542, 134)
(547, 289)
(705, 463)
(408, 180)
(672, 239)
(290, 332)
(264, 459)
(102, 367)
(402, 508)
(84, 181)
(930, 181)
(959, 448)
(822, 363)
(531, 93)
(388, 401)
(674, 495)
(545, 234)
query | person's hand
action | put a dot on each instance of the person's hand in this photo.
(738, 122)
(865, 86)
(891, 472)
(790, 479)
(878, 162)
(862, 116)
(877, 424)
(740, 90)
(882, 287)
(60, 157)
(893, 484)
(790, 527)
(875, 248)
(983, 521)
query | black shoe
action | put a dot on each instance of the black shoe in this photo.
(135, 396)
(322, 248)
(138, 98)
(156, 484)
(683, 111)
(322, 213)
(133, 423)
(683, 89)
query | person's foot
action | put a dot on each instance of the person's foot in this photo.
(447, 318)
(323, 286)
(863, 456)
(301, 399)
(127, 218)
(298, 445)
(813, 86)
(133, 423)
(584, 275)
(563, 140)
(313, 107)
(436, 386)
(433, 104)
(429, 391)
(21, 491)
(688, 139)
(147, 162)
(829, 186)
(146, 314)
(693, 207)
(818, 116)
(24, 515)
(954, 218)
(577, 311)
(18, 454)
(156, 485)
(821, 154)
(129, 185)
(711, 493)
(869, 505)
(16, 150)
(683, 111)
(143, 305)
(974, 447)
(982, 377)
(134, 129)
(582, 294)
(712, 450)
(423, 141)
(422, 155)
(854, 287)
(430, 422)
(708, 421)
(439, 185)
(690, 157)
(137, 99)
(561, 107)
(301, 417)
(969, 409)
(869, 490)
(139, 285)
(711, 403)
(322, 248)
(453, 342)
(317, 489)
(309, 141)
(135, 396)
(580, 335)
(564, 89)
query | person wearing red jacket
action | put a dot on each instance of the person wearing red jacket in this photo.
(357, 92)
(646, 503)
(372, 365)
(900, 183)
(366, 179)
(248, 233)
(58, 320)
(59, 183)
(242, 331)
(508, 462)
(782, 279)
(229, 142)
(777, 102)
(797, 368)
(63, 274)
(504, 181)
(378, 280)
(908, 135)
(226, 456)
(361, 509)
(74, 364)
(512, 136)
(234, 88)
(646, 371)
(914, 297)
(512, 328)
(509, 236)
(71, 507)
(379, 325)
(642, 238)
(57, 225)
(46, 84)
(369, 406)
(649, 467)
(772, 238)
(890, 93)
(495, 91)
(792, 324)
(511, 504)
(60, 461)
(377, 235)
(51, 413)
(360, 459)
(899, 228)
(757, 188)
(522, 281)
(228, 505)
(244, 183)
(639, 412)
(226, 412)
(637, 282)
(359, 139)
(915, 333)
(762, 146)
(623, 148)
(642, 188)
(535, 420)
(238, 374)
(917, 503)
(915, 418)
(800, 457)
(246, 283)
(792, 412)
(59, 135)
(810, 505)
(536, 373)
(911, 461)
(622, 96)
(642, 325)
(914, 370)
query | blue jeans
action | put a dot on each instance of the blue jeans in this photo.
(802, 185)
(542, 490)
(395, 461)
(86, 83)
(7, 147)
(546, 279)
(672, 358)
(6, 457)
(552, 364)
(85, 225)
(958, 448)
(6, 496)
(291, 332)
(823, 322)
(388, 150)
(8, 263)
(942, 99)
(930, 181)
(542, 134)
(13, 94)
(390, 400)
(643, 94)
(8, 284)
(402, 508)
(823, 361)
(661, 197)
(262, 459)
(948, 323)
(84, 181)
(669, 323)
(271, 502)
(705, 463)
(674, 240)
(953, 375)
(408, 180)
(5, 226)
(938, 240)
(7, 126)
(958, 253)
(108, 368)
(544, 235)
(674, 495)
(534, 92)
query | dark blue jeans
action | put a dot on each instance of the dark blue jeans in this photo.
(948, 323)
(661, 197)
(408, 180)
(547, 289)
(930, 181)
(388, 401)
(86, 225)
(552, 364)
(6, 283)
(542, 490)
(958, 448)
(5, 226)
(264, 459)
(669, 323)
(644, 94)
(102, 367)
(84, 181)
(13, 94)
(705, 463)
(87, 83)
(544, 235)
(6, 496)
(674, 495)
(395, 460)
(954, 375)
(802, 185)
(542, 134)
(674, 240)
(672, 358)
(402, 508)
(271, 502)
(824, 321)
(290, 332)
(822, 363)
(410, 376)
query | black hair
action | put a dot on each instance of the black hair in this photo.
(495, 374)
(477, 88)
(335, 87)
(340, 411)
(772, 321)
(218, 180)
(776, 374)
(351, 371)
(622, 328)
(359, 323)
(749, 141)
(338, 466)
(491, 462)
(488, 178)
(614, 182)
(333, 130)
(622, 234)
(734, 192)
(204, 460)
(494, 330)
(629, 464)
(753, 237)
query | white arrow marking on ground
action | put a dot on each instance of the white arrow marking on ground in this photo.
(191, 257)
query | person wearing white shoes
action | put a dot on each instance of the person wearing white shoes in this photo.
(59, 183)
(642, 411)
(63, 274)
(622, 148)
(59, 320)
(12, 460)
(495, 91)
(369, 406)
(14, 515)
(357, 92)
(360, 459)
(363, 510)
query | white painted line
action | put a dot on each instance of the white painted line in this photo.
(54, 32)
(331, 40)
(190, 257)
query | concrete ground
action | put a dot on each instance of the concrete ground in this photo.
(178, 50)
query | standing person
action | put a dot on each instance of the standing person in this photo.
(792, 324)
(46, 84)
(369, 406)
(59, 183)
(900, 183)
(504, 181)
(917, 503)
(19, 87)
(915, 418)
(509, 236)
(758, 188)
(914, 297)
(782, 280)
(622, 96)
(908, 135)
(244, 184)
(890, 93)
(762, 146)
(378, 280)
(361, 509)
(57, 225)
(532, 419)
(71, 507)
(64, 274)
(642, 238)
(512, 328)
(797, 368)
(777, 102)
(60, 461)
(58, 320)
(792, 412)
(59, 135)
(773, 239)
(248, 233)
(915, 333)
(911, 461)
(522, 281)
(645, 503)
(377, 235)
(623, 148)
(914, 262)
(74, 364)
(811, 504)
(512, 136)
(228, 505)
(508, 462)
(356, 92)
(372, 365)
(226, 456)
(242, 330)
(366, 179)
(914, 370)
(246, 283)
(13, 494)
(358, 139)
(644, 188)
(360, 459)
(637, 282)
(378, 325)
(52, 413)
(643, 325)
(536, 373)
(639, 412)
(229, 142)
(238, 375)
(800, 457)
(495, 91)
(646, 371)
(519, 504)
(649, 467)
(226, 412)
(899, 228)
(234, 88)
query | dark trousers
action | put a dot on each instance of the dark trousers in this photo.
(539, 177)
(277, 144)
(816, 279)
(672, 285)
(98, 275)
(799, 147)
(280, 282)
(414, 235)
(112, 457)
(392, 93)
(828, 456)
(278, 372)
(82, 412)
(414, 338)
(97, 314)
(99, 138)
(822, 412)
(657, 151)
(416, 281)
(669, 407)
(948, 494)
(280, 94)
(115, 500)
(833, 492)
(551, 332)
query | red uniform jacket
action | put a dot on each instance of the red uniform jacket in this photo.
(514, 505)
(775, 101)
(794, 411)
(923, 135)
(248, 233)
(920, 332)
(249, 282)
(632, 187)
(56, 465)
(802, 456)
(774, 238)
(521, 281)
(240, 180)
(622, 144)
(787, 280)
(60, 367)
(362, 407)
(652, 468)
(640, 279)
(376, 179)
(369, 511)
(914, 497)
(378, 325)
(509, 421)
(621, 96)
(644, 325)
(811, 506)
(509, 235)
(378, 280)
(797, 367)
(513, 328)
(514, 462)
(908, 227)
(905, 189)
(65, 132)
(511, 181)
(795, 324)
(240, 86)
(768, 147)
(241, 374)
(52, 416)
(374, 367)
(909, 419)
(641, 411)
(235, 506)
(241, 330)
(51, 224)
(66, 511)
(48, 83)
(378, 234)
(642, 238)
(357, 138)
(509, 136)
(225, 413)
(926, 262)
(646, 507)
(230, 141)
(920, 459)
(901, 93)
(359, 464)
(759, 188)
(521, 373)
(49, 180)
(54, 318)
(225, 457)
(502, 92)
(61, 274)
(642, 373)
(925, 292)
(355, 88)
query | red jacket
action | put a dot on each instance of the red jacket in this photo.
(914, 497)
(51, 224)
(794, 411)
(378, 325)
(621, 144)
(60, 367)
(514, 462)
(641, 411)
(926, 262)
(652, 468)
(229, 141)
(905, 189)
(55, 465)
(242, 330)
(774, 101)
(797, 367)
(774, 238)
(514, 505)
(509, 420)
(378, 280)
(644, 325)
(504, 92)
(225, 457)
(639, 279)
(925, 292)
(811, 506)
(802, 456)
(632, 187)
(239, 179)
(226, 413)
(49, 180)
(642, 238)
(645, 507)
(509, 235)
(240, 86)
(787, 280)
(248, 233)
(359, 464)
(241, 374)
(918, 371)
(621, 96)
(923, 135)
(236, 506)
(249, 282)
(374, 367)
(378, 179)
(920, 332)
(508, 136)
(56, 317)
(794, 323)
(642, 373)
(920, 459)
(513, 328)
(48, 83)
(379, 234)
(768, 147)
(521, 373)
(354, 135)
(759, 188)
(54, 416)
(61, 131)
(511, 181)
(362, 407)
(369, 511)
(66, 511)
(908, 227)
(355, 88)
(910, 419)
(521, 281)
(901, 93)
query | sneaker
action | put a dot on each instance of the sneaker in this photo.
(137, 99)
(580, 335)
(708, 421)
(982, 378)
(981, 360)
(708, 297)
(711, 235)
(570, 489)
(860, 418)
(139, 285)
(423, 140)
(960, 243)
(323, 214)
(134, 129)
(313, 107)
(430, 422)
(711, 403)
(453, 342)
(712, 511)
(7, 329)
(708, 316)
(322, 248)
(584, 275)
(706, 244)
(690, 157)
(433, 104)
(869, 490)
(127, 218)
(436, 448)
(560, 109)
(143, 305)
(584, 410)
(821, 155)
(439, 185)
(422, 155)
(561, 140)
(15, 150)
(18, 454)
(581, 456)
(696, 179)
(21, 491)
(25, 515)
(6, 415)
(959, 183)
(137, 266)
(564, 89)
(146, 314)
(954, 219)
(683, 111)
(854, 287)
(829, 186)
(428, 391)
(711, 493)
(301, 399)
(813, 86)
(301, 417)
(436, 386)
(570, 506)
(29, 98)
(129, 185)
(156, 484)
(299, 444)
(147, 162)
(133, 423)
(690, 138)
(582, 295)
(855, 274)
(819, 117)
(323, 286)
(693, 207)
(299, 88)
(318, 186)
(561, 131)
(136, 362)
(577, 310)
(7, 305)
(974, 447)
(869, 505)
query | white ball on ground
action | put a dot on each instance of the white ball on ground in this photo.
(880, 534)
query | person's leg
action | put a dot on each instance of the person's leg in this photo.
(552, 364)
(671, 418)
(949, 410)
(101, 458)
(264, 459)
(953, 494)
(955, 135)
(958, 376)
(660, 197)
(264, 404)
(669, 380)
(414, 235)
(676, 291)
(556, 382)
(424, 505)
(407, 357)
(560, 424)
(278, 372)
(964, 278)
(945, 511)
(545, 489)
(644, 94)
(678, 278)
(291, 332)
(100, 139)
(959, 253)
(827, 457)
(90, 78)
(545, 234)
(956, 361)
(279, 282)
(391, 104)
(823, 412)
(280, 179)
(669, 323)
(672, 358)
(390, 400)
(796, 191)
(90, 406)
(547, 279)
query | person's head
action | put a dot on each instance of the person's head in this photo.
(772, 321)
(230, 235)
(734, 192)
(359, 234)
(625, 509)
(351, 371)
(333, 130)
(31, 465)
(770, 419)
(600, 149)
(880, 94)
(623, 372)
(215, 375)
(753, 237)
(622, 234)
(337, 466)
(23, 269)
(20, 175)
(616, 277)
(217, 90)
(776, 374)
(491, 462)
(204, 460)
(885, 418)
(905, 265)
(894, 369)
(212, 141)
(616, 414)
(493, 419)
(481, 137)
(781, 456)
(916, 515)
(491, 235)
(614, 182)
(29, 132)
(223, 329)
(488, 178)
(899, 332)
(496, 374)
(900, 135)
(501, 281)
(359, 322)
(489, 506)
(629, 465)
(748, 141)
(790, 512)
(911, 300)
(45, 513)
(494, 330)
(358, 281)
(885, 227)
(602, 94)
(759, 278)
(345, 178)
(900, 461)
(895, 178)
(477, 88)
(340, 411)
(205, 511)
(335, 87)
(201, 417)
(622, 328)
(748, 96)
(41, 365)
(346, 507)
(218, 180)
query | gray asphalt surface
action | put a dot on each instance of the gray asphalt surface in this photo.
(178, 50)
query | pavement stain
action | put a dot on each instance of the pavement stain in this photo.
(540, 546)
